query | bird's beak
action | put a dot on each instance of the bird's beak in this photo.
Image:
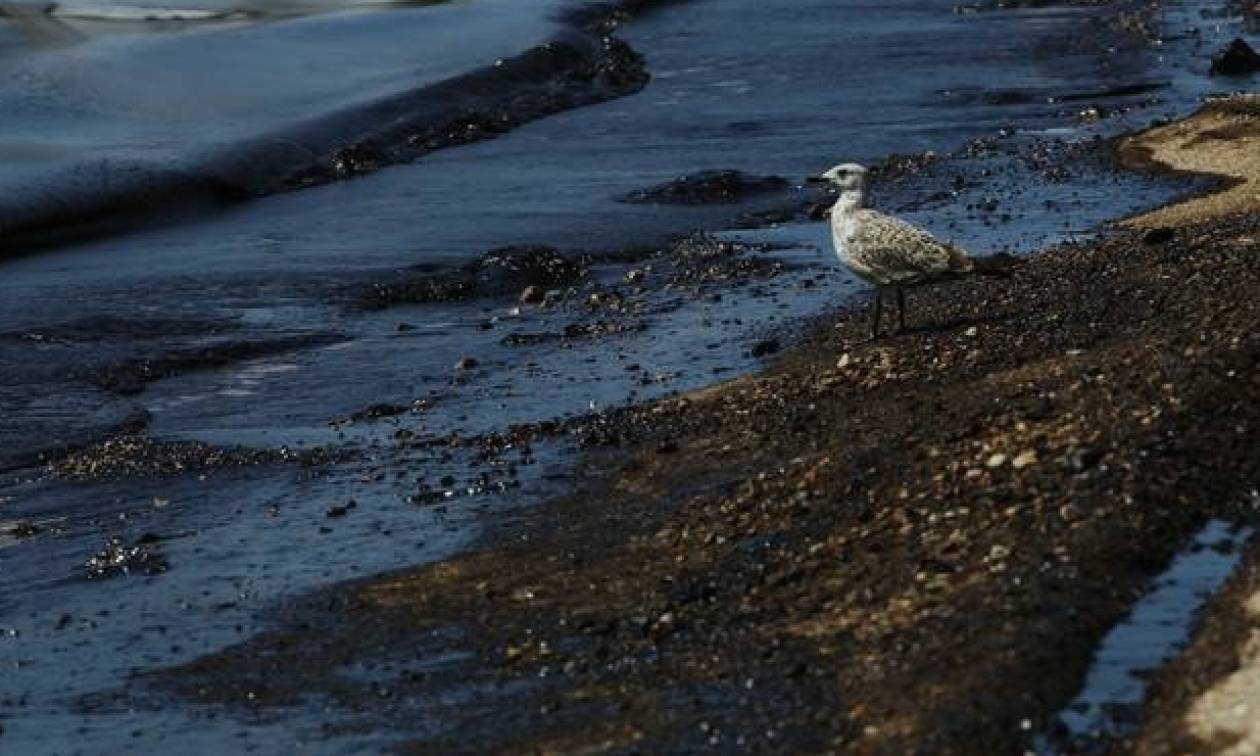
(817, 181)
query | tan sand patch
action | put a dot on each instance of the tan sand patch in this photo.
(1230, 711)
(1222, 139)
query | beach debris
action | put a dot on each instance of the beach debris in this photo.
(119, 558)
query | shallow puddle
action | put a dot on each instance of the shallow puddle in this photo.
(1157, 629)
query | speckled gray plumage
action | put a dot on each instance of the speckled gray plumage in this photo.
(888, 251)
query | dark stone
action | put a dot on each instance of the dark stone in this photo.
(468, 363)
(1238, 59)
(765, 347)
(1157, 236)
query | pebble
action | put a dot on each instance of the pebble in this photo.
(997, 460)
(1069, 513)
(533, 295)
(765, 347)
(1025, 459)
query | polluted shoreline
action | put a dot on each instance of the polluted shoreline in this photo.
(775, 565)
(219, 522)
(583, 65)
(1050, 460)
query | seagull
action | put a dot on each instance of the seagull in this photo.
(886, 251)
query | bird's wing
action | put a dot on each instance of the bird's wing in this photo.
(899, 249)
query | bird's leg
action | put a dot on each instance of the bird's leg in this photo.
(879, 303)
(901, 309)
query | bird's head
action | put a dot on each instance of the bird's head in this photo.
(845, 177)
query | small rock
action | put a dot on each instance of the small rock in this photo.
(765, 347)
(1085, 458)
(844, 361)
(634, 276)
(1157, 236)
(971, 332)
(1238, 59)
(468, 363)
(997, 460)
(405, 327)
(337, 511)
(1025, 459)
(533, 295)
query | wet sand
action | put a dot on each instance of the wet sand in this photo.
(907, 545)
